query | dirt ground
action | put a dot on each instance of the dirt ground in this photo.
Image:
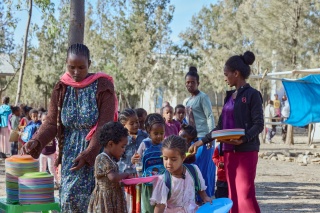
(280, 186)
(286, 186)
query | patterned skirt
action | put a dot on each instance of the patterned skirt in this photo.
(76, 186)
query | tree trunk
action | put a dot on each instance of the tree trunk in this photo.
(289, 139)
(24, 56)
(77, 16)
(120, 102)
(295, 33)
(216, 102)
(46, 97)
(127, 101)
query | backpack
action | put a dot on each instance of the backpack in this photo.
(152, 162)
(192, 171)
(29, 130)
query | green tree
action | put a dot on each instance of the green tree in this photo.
(50, 54)
(132, 34)
(214, 35)
(289, 27)
(44, 5)
(46, 58)
(8, 24)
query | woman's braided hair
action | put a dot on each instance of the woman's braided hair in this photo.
(153, 118)
(112, 131)
(175, 142)
(78, 49)
(193, 72)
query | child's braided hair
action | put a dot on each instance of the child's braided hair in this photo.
(125, 115)
(153, 118)
(175, 142)
(140, 112)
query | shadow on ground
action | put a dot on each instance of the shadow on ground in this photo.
(288, 197)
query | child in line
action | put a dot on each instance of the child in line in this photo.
(48, 155)
(14, 121)
(189, 133)
(107, 195)
(31, 127)
(129, 119)
(41, 110)
(172, 126)
(180, 114)
(183, 184)
(142, 114)
(222, 184)
(24, 121)
(155, 127)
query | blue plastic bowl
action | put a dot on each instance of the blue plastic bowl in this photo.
(219, 205)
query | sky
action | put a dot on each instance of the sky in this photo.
(184, 10)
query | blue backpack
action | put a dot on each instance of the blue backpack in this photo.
(29, 130)
(152, 162)
(192, 171)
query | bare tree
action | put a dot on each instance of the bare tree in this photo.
(25, 51)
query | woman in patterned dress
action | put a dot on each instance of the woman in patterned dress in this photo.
(81, 103)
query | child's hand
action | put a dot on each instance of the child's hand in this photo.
(204, 196)
(135, 158)
(130, 176)
(207, 199)
(221, 165)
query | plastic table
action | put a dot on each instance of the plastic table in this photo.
(18, 208)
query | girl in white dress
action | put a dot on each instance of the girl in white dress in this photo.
(178, 194)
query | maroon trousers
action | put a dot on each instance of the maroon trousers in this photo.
(240, 172)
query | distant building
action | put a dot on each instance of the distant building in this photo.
(6, 69)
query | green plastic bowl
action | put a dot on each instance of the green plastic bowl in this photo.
(36, 175)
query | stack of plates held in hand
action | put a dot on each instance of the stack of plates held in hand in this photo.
(227, 134)
(17, 166)
(36, 188)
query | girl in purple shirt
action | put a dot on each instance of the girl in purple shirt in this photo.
(172, 127)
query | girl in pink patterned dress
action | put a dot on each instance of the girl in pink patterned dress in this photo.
(181, 197)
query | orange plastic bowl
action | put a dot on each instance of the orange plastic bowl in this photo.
(21, 159)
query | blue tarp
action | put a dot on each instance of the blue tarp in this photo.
(304, 99)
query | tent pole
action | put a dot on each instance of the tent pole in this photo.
(309, 134)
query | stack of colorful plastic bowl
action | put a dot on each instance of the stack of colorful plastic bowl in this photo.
(36, 188)
(17, 166)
